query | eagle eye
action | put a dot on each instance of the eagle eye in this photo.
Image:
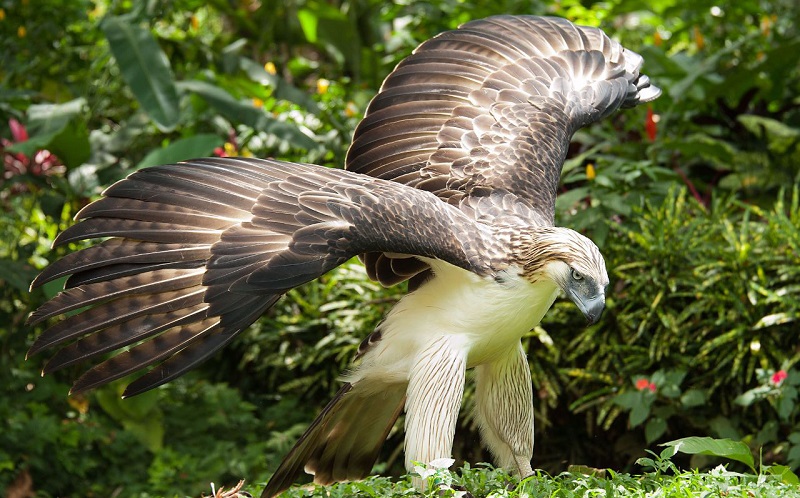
(576, 275)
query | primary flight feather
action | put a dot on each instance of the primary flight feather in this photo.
(450, 183)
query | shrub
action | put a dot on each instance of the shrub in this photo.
(702, 300)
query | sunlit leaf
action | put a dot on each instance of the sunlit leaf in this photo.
(726, 448)
(245, 113)
(145, 68)
(785, 473)
(183, 149)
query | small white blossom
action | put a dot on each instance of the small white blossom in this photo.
(441, 463)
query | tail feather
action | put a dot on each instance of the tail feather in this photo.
(345, 439)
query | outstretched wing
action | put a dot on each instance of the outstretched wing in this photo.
(197, 251)
(493, 105)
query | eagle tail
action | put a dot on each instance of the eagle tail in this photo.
(345, 439)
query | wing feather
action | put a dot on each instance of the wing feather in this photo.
(496, 81)
(199, 250)
(496, 102)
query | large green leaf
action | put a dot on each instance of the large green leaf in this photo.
(140, 415)
(145, 68)
(726, 448)
(785, 473)
(180, 150)
(328, 26)
(245, 113)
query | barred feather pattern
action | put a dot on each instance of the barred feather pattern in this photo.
(199, 250)
(492, 106)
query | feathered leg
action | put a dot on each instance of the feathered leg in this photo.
(504, 410)
(436, 385)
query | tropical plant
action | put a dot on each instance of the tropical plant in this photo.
(703, 304)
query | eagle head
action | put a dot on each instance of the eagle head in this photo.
(570, 260)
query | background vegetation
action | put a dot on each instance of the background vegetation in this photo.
(694, 201)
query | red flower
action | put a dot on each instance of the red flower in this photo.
(778, 377)
(18, 131)
(651, 124)
(643, 384)
(16, 163)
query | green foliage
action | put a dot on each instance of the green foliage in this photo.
(735, 450)
(704, 301)
(493, 483)
(145, 68)
(702, 311)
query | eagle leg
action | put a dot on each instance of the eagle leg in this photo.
(504, 410)
(435, 389)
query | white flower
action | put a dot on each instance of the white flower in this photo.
(423, 471)
(441, 463)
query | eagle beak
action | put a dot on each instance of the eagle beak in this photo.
(592, 307)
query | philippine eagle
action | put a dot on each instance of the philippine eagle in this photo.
(450, 183)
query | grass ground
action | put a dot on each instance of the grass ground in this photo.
(493, 483)
(664, 481)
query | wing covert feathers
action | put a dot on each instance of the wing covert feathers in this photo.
(197, 251)
(494, 104)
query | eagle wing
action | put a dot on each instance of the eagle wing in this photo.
(197, 251)
(489, 109)
(493, 104)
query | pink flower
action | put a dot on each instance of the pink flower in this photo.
(778, 377)
(18, 131)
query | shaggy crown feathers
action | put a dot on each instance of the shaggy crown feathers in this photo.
(536, 248)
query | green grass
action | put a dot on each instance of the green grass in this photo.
(493, 483)
(665, 480)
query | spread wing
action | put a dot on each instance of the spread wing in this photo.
(197, 251)
(493, 104)
(489, 109)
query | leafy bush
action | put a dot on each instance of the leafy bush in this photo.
(703, 298)
(703, 307)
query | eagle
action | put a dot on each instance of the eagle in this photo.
(450, 185)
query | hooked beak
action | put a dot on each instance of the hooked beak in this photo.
(591, 307)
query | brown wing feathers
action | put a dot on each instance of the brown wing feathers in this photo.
(464, 73)
(147, 281)
(199, 250)
(493, 104)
